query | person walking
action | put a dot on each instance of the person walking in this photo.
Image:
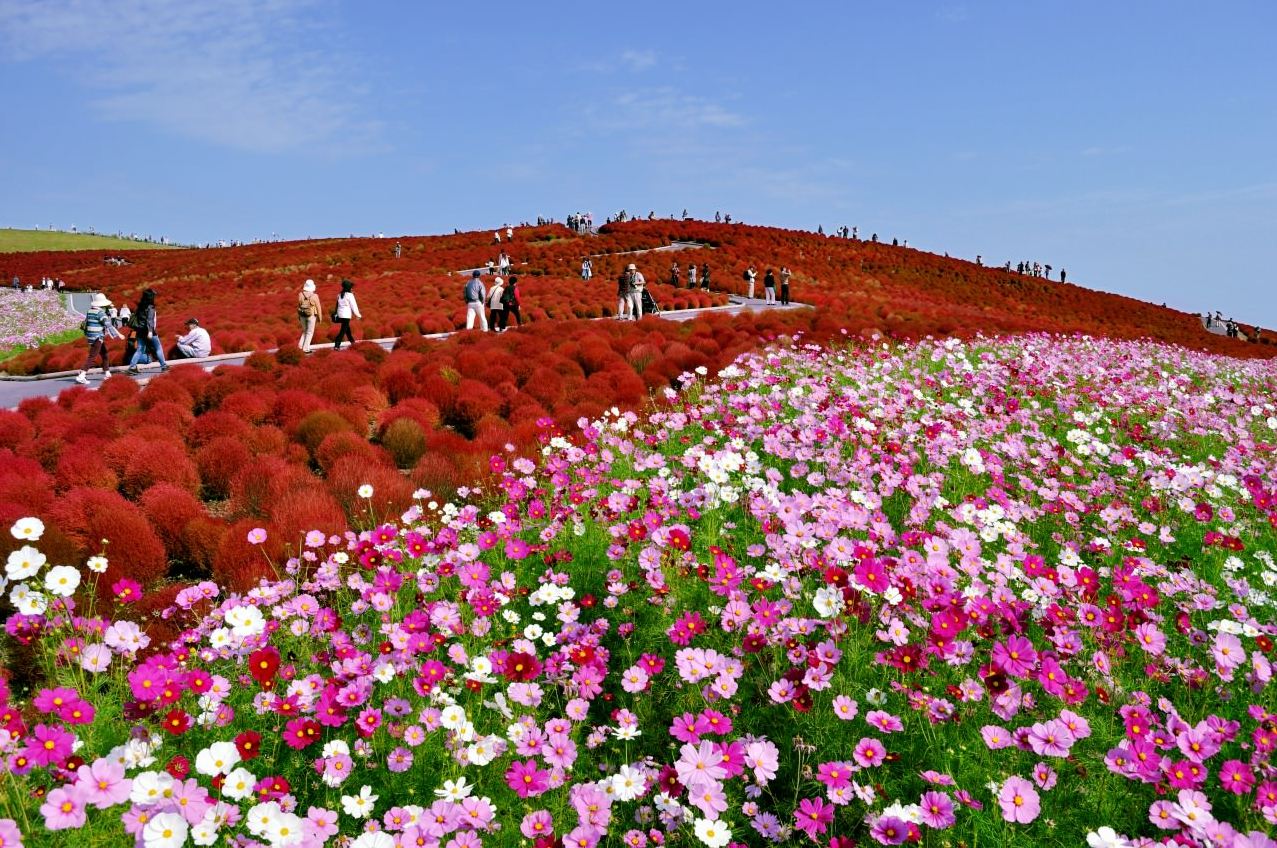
(637, 284)
(691, 275)
(674, 275)
(769, 288)
(476, 293)
(346, 309)
(784, 285)
(587, 269)
(503, 264)
(511, 302)
(308, 312)
(623, 293)
(97, 326)
(144, 327)
(751, 274)
(705, 276)
(496, 305)
(398, 250)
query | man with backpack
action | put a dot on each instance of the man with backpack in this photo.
(510, 302)
(476, 293)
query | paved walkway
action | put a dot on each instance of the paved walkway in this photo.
(13, 390)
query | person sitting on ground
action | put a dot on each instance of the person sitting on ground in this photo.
(196, 344)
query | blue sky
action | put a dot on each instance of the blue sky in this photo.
(1134, 143)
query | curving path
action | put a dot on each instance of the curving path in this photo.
(14, 390)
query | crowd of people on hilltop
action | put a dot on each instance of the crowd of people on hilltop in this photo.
(581, 222)
(1230, 328)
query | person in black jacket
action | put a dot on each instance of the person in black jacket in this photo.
(144, 328)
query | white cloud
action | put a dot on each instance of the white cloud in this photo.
(638, 60)
(234, 73)
(666, 109)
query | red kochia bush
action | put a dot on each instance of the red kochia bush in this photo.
(303, 510)
(239, 564)
(218, 462)
(14, 429)
(170, 509)
(155, 463)
(405, 440)
(215, 424)
(338, 446)
(91, 516)
(317, 426)
(262, 481)
(392, 493)
(83, 464)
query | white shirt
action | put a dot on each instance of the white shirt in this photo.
(198, 341)
(347, 307)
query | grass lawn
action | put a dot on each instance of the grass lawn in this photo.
(19, 241)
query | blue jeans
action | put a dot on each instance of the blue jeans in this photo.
(157, 350)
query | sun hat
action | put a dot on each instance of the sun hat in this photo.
(496, 281)
(631, 267)
(99, 300)
(308, 286)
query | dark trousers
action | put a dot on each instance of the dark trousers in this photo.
(784, 295)
(343, 332)
(505, 316)
(97, 350)
(496, 318)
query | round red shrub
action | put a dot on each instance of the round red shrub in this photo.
(219, 461)
(166, 391)
(266, 439)
(338, 446)
(15, 428)
(262, 481)
(169, 509)
(239, 564)
(252, 406)
(217, 423)
(392, 492)
(201, 539)
(89, 516)
(304, 509)
(438, 473)
(294, 405)
(83, 464)
(157, 462)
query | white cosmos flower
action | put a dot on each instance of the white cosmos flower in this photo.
(62, 580)
(712, 832)
(167, 830)
(218, 758)
(239, 784)
(359, 806)
(97, 564)
(28, 602)
(374, 839)
(455, 790)
(31, 529)
(23, 563)
(365, 491)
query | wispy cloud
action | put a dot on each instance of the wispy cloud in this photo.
(665, 108)
(638, 60)
(242, 74)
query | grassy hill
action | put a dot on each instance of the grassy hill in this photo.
(25, 241)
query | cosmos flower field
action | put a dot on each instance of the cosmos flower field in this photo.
(1010, 591)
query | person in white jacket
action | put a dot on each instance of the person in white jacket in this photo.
(346, 309)
(496, 306)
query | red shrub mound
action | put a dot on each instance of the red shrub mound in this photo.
(240, 564)
(170, 510)
(14, 429)
(219, 461)
(158, 462)
(302, 510)
(99, 521)
(83, 464)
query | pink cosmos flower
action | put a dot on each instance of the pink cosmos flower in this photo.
(845, 708)
(103, 784)
(698, 763)
(536, 824)
(834, 774)
(1019, 801)
(49, 745)
(1050, 739)
(1236, 777)
(62, 809)
(708, 797)
(884, 721)
(1150, 638)
(889, 830)
(869, 752)
(936, 810)
(763, 758)
(1044, 776)
(527, 779)
(813, 816)
(1016, 656)
(996, 738)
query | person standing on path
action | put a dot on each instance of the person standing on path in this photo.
(691, 275)
(705, 277)
(308, 312)
(637, 284)
(623, 293)
(97, 325)
(346, 309)
(784, 285)
(674, 274)
(511, 302)
(476, 293)
(144, 322)
(587, 269)
(496, 304)
(398, 250)
(769, 288)
(503, 264)
(751, 274)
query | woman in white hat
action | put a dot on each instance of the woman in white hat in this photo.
(308, 310)
(95, 332)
